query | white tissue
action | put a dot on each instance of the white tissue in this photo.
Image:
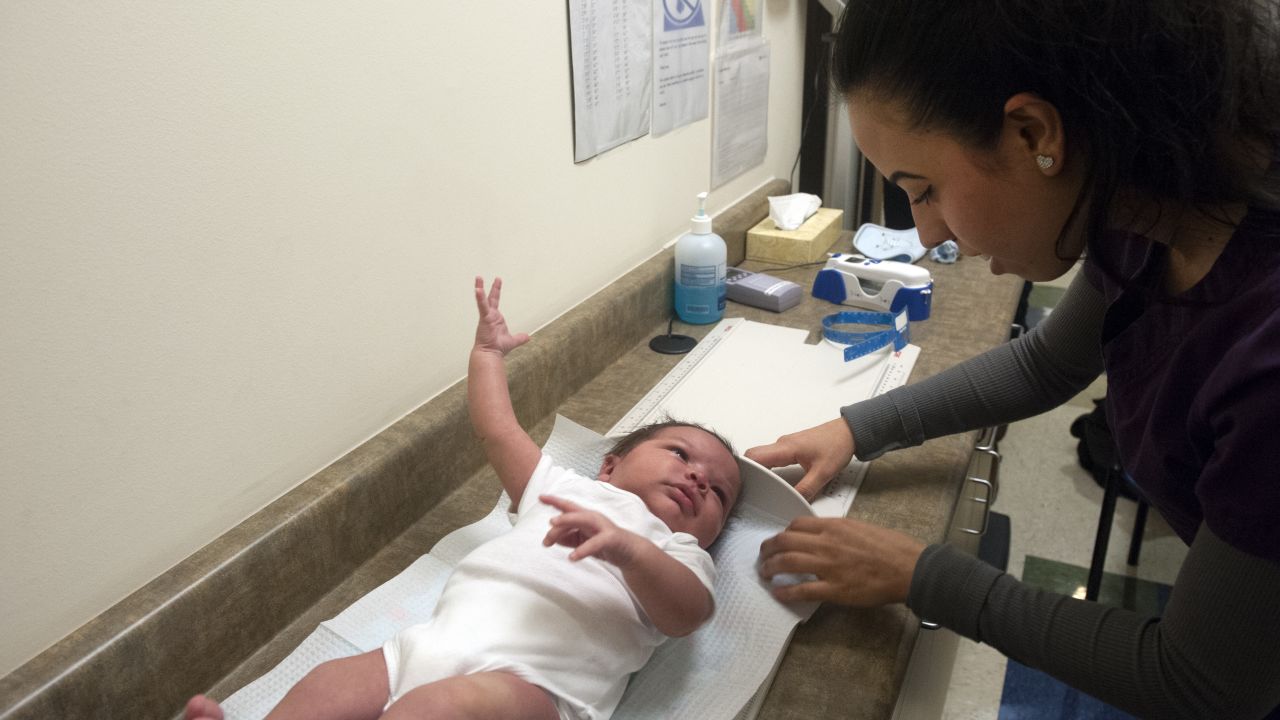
(789, 212)
(710, 675)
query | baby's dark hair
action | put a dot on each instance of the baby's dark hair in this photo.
(628, 442)
(1178, 99)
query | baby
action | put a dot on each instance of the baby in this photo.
(548, 620)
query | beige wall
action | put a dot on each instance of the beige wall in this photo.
(238, 238)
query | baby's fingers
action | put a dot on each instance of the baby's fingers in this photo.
(481, 303)
(589, 548)
(559, 503)
(563, 535)
(495, 293)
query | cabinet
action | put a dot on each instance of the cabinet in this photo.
(924, 688)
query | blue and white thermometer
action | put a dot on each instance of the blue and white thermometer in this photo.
(883, 285)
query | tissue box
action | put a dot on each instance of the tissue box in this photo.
(807, 243)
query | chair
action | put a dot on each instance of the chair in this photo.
(1116, 478)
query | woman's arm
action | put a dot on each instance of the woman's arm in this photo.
(1038, 371)
(1215, 653)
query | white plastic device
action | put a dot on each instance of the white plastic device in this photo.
(881, 243)
(875, 284)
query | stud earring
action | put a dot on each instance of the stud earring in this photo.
(1044, 161)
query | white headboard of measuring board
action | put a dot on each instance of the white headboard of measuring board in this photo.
(752, 382)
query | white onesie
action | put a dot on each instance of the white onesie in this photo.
(571, 628)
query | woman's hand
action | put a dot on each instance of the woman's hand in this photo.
(590, 534)
(856, 563)
(491, 332)
(823, 451)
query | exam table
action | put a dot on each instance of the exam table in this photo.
(271, 580)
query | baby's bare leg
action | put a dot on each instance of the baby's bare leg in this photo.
(350, 688)
(482, 696)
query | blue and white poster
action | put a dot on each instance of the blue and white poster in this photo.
(681, 57)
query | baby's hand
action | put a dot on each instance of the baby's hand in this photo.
(590, 533)
(491, 332)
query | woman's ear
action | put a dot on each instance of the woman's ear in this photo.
(1034, 134)
(607, 467)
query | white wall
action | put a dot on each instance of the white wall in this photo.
(238, 238)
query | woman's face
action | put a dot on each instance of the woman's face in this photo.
(1000, 203)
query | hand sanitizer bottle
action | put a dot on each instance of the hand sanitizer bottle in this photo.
(700, 270)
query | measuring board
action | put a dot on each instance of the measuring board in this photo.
(753, 382)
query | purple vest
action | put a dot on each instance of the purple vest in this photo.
(1193, 382)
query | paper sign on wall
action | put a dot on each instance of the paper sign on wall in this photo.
(740, 128)
(681, 50)
(611, 55)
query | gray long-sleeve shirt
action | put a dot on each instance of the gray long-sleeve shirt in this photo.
(1215, 653)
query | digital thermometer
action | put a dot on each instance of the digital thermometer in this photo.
(875, 284)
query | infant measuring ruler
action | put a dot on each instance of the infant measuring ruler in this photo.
(752, 382)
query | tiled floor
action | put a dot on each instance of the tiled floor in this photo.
(1053, 505)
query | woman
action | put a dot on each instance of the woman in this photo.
(1142, 136)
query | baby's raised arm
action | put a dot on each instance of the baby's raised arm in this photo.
(510, 450)
(671, 594)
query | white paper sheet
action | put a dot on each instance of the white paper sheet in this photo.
(710, 675)
(715, 672)
(740, 128)
(681, 61)
(611, 50)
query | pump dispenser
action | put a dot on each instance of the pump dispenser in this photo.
(700, 271)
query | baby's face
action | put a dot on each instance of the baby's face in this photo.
(684, 476)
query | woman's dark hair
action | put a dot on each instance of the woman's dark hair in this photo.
(1173, 98)
(628, 442)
